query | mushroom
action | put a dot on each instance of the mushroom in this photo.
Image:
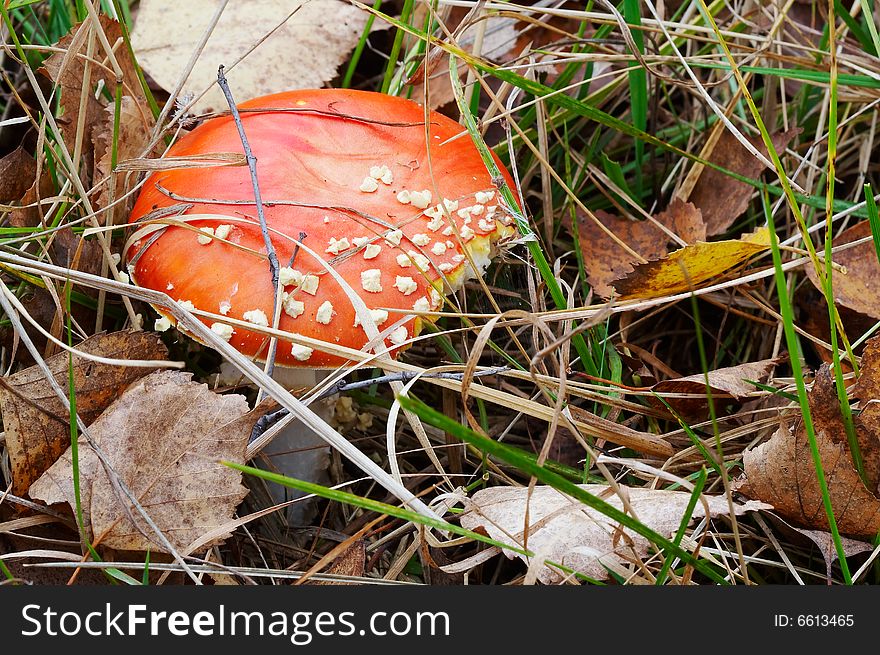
(355, 181)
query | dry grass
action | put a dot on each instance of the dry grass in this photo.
(572, 146)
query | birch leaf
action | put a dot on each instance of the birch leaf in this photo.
(165, 437)
(37, 424)
(315, 38)
(567, 532)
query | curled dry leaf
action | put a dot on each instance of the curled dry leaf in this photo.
(857, 288)
(305, 52)
(165, 436)
(690, 267)
(567, 532)
(725, 383)
(722, 198)
(781, 471)
(605, 259)
(37, 425)
(643, 442)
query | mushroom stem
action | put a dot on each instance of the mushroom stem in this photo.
(297, 451)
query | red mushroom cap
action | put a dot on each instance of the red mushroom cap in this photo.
(349, 170)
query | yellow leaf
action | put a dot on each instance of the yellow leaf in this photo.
(690, 267)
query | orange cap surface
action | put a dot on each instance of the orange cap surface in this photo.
(396, 210)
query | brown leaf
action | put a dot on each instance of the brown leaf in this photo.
(36, 424)
(725, 383)
(350, 564)
(29, 214)
(781, 471)
(18, 170)
(825, 542)
(165, 436)
(867, 389)
(72, 251)
(690, 267)
(69, 251)
(134, 137)
(67, 69)
(606, 260)
(812, 315)
(857, 288)
(568, 532)
(722, 198)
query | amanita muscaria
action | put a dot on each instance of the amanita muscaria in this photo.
(403, 211)
(349, 174)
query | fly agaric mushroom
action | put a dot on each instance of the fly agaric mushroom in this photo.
(399, 209)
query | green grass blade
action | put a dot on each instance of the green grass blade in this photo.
(403, 28)
(359, 48)
(685, 521)
(794, 351)
(835, 323)
(873, 218)
(872, 28)
(113, 574)
(545, 476)
(389, 510)
(532, 243)
(638, 86)
(5, 570)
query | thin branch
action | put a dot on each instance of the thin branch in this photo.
(258, 200)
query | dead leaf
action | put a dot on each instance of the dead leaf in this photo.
(29, 214)
(133, 139)
(606, 260)
(18, 170)
(781, 471)
(812, 315)
(305, 52)
(725, 383)
(70, 251)
(690, 267)
(857, 288)
(36, 424)
(67, 70)
(350, 564)
(165, 436)
(722, 198)
(568, 532)
(867, 390)
(825, 542)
